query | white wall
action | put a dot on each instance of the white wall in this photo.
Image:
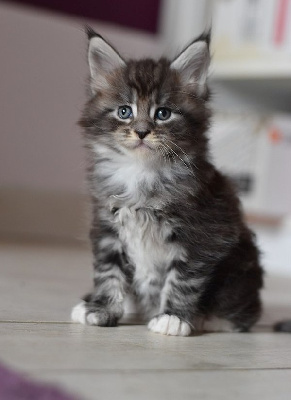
(275, 247)
(42, 72)
(41, 93)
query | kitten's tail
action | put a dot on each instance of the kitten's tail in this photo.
(283, 326)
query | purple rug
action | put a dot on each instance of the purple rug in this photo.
(13, 386)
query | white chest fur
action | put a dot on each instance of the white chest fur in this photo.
(142, 234)
(144, 239)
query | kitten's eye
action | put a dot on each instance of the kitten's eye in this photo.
(124, 112)
(163, 113)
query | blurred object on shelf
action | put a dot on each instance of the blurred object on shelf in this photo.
(251, 28)
(255, 152)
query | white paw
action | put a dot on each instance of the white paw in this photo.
(79, 314)
(169, 325)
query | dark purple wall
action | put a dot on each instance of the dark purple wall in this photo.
(139, 14)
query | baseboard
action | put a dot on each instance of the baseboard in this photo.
(44, 215)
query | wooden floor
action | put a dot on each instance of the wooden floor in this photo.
(39, 285)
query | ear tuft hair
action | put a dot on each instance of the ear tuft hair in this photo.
(91, 33)
(204, 37)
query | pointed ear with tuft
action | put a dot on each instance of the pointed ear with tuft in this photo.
(193, 62)
(102, 58)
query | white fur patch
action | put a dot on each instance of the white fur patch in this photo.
(79, 315)
(146, 248)
(92, 319)
(134, 109)
(109, 243)
(169, 325)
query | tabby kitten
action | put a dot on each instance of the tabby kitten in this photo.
(167, 226)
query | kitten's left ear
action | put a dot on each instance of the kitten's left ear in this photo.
(193, 62)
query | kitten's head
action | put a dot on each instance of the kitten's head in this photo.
(145, 108)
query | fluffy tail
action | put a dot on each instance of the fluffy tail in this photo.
(283, 326)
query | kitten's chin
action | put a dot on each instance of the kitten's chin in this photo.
(143, 147)
(143, 153)
(142, 150)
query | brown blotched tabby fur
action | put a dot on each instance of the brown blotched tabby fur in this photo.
(167, 226)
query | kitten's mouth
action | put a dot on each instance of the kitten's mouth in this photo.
(141, 144)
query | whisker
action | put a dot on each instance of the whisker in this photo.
(164, 154)
(167, 155)
(186, 165)
(185, 154)
(170, 154)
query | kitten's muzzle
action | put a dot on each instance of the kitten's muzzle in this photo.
(142, 127)
(142, 133)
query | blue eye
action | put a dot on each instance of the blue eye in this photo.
(163, 113)
(124, 112)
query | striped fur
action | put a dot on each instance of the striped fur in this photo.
(167, 226)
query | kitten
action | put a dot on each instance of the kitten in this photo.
(167, 225)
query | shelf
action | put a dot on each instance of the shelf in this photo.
(261, 84)
(274, 69)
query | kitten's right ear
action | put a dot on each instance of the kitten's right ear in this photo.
(193, 62)
(102, 57)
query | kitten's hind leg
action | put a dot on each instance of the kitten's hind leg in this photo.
(214, 324)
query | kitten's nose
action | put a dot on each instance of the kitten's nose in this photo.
(142, 133)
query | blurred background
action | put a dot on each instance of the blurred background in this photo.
(42, 73)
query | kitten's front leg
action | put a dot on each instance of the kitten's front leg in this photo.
(104, 306)
(179, 299)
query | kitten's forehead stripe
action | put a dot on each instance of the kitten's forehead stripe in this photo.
(143, 107)
(146, 76)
